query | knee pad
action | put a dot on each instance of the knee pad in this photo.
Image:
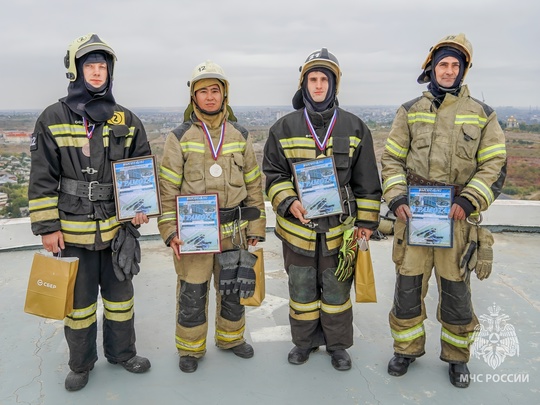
(335, 292)
(456, 307)
(192, 304)
(231, 309)
(303, 284)
(408, 297)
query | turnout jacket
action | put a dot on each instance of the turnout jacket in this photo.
(461, 142)
(351, 145)
(184, 169)
(57, 153)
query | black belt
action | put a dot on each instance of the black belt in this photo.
(414, 179)
(93, 190)
(238, 213)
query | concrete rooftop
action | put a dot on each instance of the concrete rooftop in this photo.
(33, 351)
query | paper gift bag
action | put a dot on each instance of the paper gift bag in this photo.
(50, 286)
(258, 297)
(364, 280)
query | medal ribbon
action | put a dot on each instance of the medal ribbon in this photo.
(321, 146)
(90, 132)
(215, 151)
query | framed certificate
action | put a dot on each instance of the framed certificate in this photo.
(197, 222)
(136, 188)
(430, 225)
(317, 187)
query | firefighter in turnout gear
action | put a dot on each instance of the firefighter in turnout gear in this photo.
(320, 305)
(444, 137)
(211, 154)
(72, 203)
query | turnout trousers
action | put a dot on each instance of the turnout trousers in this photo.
(194, 273)
(320, 308)
(96, 275)
(414, 265)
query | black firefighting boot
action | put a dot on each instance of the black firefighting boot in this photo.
(299, 356)
(340, 359)
(76, 381)
(459, 374)
(136, 364)
(188, 364)
(399, 365)
(245, 350)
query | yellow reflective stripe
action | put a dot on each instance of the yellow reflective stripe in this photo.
(367, 215)
(230, 336)
(109, 235)
(366, 204)
(118, 316)
(252, 175)
(41, 203)
(233, 147)
(196, 147)
(228, 228)
(67, 129)
(421, 117)
(118, 305)
(490, 152)
(307, 307)
(84, 239)
(394, 149)
(483, 189)
(409, 334)
(298, 142)
(299, 153)
(336, 309)
(294, 240)
(308, 316)
(294, 229)
(80, 313)
(393, 181)
(71, 141)
(80, 324)
(108, 224)
(76, 226)
(263, 213)
(197, 346)
(470, 119)
(278, 187)
(167, 217)
(168, 174)
(44, 215)
(455, 340)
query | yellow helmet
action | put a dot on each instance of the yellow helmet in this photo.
(321, 58)
(81, 46)
(208, 70)
(459, 42)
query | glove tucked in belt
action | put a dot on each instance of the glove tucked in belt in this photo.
(238, 213)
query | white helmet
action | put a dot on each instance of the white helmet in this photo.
(208, 70)
(81, 46)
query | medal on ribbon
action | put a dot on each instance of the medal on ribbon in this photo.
(215, 170)
(321, 145)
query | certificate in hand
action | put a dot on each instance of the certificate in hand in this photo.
(317, 187)
(430, 224)
(136, 188)
(198, 223)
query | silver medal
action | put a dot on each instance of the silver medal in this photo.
(86, 149)
(216, 170)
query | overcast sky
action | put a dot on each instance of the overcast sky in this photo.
(380, 45)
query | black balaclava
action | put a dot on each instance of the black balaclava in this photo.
(97, 105)
(434, 87)
(302, 98)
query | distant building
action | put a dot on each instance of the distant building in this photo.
(6, 178)
(511, 122)
(16, 137)
(3, 200)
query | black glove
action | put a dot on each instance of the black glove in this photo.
(245, 281)
(228, 261)
(126, 252)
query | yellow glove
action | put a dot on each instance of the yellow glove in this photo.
(347, 255)
(484, 260)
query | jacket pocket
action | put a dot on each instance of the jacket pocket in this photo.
(117, 141)
(398, 252)
(236, 170)
(468, 140)
(341, 152)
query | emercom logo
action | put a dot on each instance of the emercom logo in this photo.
(494, 338)
(42, 283)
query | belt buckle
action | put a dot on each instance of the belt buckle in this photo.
(91, 189)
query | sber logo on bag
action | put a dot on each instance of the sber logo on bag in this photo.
(42, 283)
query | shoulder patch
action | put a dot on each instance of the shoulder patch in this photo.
(410, 103)
(239, 128)
(33, 142)
(119, 118)
(180, 130)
